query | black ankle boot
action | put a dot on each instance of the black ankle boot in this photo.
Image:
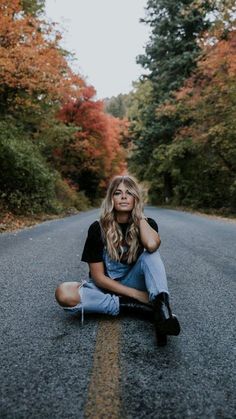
(165, 322)
(131, 307)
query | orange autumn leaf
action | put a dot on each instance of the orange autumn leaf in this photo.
(30, 57)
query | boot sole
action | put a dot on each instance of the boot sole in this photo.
(169, 326)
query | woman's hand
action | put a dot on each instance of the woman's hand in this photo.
(141, 296)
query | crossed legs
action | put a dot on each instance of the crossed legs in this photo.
(148, 273)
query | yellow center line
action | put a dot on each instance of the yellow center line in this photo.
(103, 399)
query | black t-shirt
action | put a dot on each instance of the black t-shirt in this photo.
(94, 245)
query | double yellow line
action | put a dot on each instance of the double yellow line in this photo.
(104, 399)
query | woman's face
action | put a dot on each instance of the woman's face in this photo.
(123, 199)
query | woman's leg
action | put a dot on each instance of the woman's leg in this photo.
(74, 298)
(67, 294)
(148, 274)
(154, 273)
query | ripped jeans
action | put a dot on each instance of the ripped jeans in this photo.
(147, 274)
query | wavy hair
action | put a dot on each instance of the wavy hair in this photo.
(111, 231)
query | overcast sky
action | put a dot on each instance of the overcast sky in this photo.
(106, 36)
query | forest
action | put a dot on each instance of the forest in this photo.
(58, 146)
(175, 131)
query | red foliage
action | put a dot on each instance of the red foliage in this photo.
(34, 72)
(206, 104)
(98, 139)
(216, 68)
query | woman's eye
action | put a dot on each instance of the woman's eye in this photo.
(119, 193)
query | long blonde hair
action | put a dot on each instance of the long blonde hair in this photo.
(112, 233)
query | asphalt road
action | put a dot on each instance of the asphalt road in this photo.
(52, 367)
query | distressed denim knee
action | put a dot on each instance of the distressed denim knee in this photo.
(94, 300)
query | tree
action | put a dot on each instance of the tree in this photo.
(202, 157)
(94, 153)
(35, 83)
(116, 106)
(64, 131)
(170, 56)
(34, 74)
(173, 49)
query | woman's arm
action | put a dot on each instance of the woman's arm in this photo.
(103, 281)
(150, 239)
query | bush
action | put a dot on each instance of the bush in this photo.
(69, 196)
(26, 183)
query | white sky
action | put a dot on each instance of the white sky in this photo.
(106, 36)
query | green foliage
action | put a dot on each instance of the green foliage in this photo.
(195, 182)
(170, 56)
(26, 183)
(116, 106)
(69, 197)
(186, 151)
(36, 145)
(52, 135)
(172, 50)
(33, 7)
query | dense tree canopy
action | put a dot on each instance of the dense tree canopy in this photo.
(117, 105)
(182, 118)
(70, 142)
(59, 145)
(171, 55)
(172, 50)
(33, 71)
(95, 151)
(206, 105)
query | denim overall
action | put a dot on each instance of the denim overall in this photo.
(146, 274)
(113, 268)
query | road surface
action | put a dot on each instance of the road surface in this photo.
(52, 367)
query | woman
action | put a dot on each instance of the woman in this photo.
(126, 271)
